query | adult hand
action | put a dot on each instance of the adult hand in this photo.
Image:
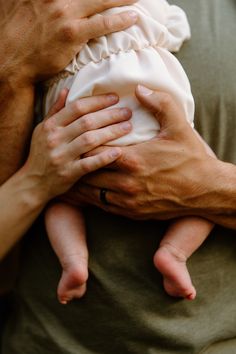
(55, 161)
(169, 176)
(39, 38)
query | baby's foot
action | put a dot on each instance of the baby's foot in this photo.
(73, 280)
(172, 264)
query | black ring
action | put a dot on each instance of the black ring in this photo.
(103, 198)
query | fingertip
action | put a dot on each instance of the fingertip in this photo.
(65, 90)
(60, 102)
(64, 93)
(112, 98)
(133, 15)
(143, 90)
(115, 153)
(147, 97)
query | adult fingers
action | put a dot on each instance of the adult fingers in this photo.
(117, 203)
(92, 163)
(92, 7)
(86, 8)
(168, 113)
(91, 195)
(93, 138)
(59, 104)
(100, 25)
(84, 106)
(95, 121)
(112, 180)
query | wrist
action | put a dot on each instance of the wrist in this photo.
(32, 195)
(21, 206)
(215, 193)
(34, 191)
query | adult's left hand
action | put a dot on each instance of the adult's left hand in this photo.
(159, 179)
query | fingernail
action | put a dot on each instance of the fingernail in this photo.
(126, 126)
(115, 153)
(112, 98)
(144, 90)
(133, 14)
(125, 112)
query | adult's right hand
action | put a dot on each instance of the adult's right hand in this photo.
(40, 37)
(170, 176)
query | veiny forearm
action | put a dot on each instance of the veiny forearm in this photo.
(16, 120)
(219, 202)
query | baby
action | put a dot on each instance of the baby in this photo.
(119, 62)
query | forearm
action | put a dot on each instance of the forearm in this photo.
(55, 160)
(15, 126)
(218, 199)
(21, 203)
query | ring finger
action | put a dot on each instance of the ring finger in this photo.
(93, 195)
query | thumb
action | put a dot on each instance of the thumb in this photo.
(168, 113)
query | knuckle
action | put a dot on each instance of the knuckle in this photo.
(125, 185)
(131, 163)
(84, 167)
(53, 140)
(64, 175)
(89, 139)
(68, 32)
(86, 123)
(132, 187)
(48, 125)
(58, 12)
(131, 205)
(57, 161)
(76, 107)
(107, 23)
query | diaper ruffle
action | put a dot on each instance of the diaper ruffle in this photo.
(159, 25)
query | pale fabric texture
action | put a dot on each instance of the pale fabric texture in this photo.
(140, 54)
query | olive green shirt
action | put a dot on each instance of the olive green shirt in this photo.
(125, 309)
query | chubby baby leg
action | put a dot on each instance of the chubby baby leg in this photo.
(182, 238)
(66, 231)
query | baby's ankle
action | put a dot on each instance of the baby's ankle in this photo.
(167, 249)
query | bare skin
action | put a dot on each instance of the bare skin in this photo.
(55, 162)
(183, 237)
(172, 159)
(64, 223)
(180, 159)
(33, 32)
(68, 239)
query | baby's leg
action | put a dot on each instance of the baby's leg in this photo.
(183, 237)
(66, 231)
